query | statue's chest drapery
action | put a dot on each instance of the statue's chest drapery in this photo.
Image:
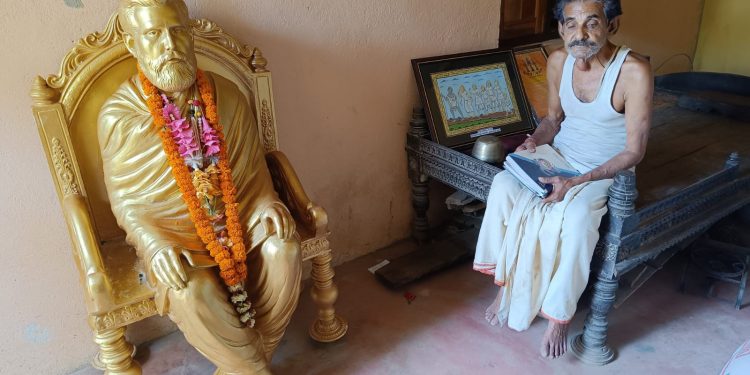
(141, 186)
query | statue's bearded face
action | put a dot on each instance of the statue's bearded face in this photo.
(584, 28)
(161, 40)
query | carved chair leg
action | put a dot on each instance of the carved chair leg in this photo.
(115, 353)
(328, 327)
(591, 346)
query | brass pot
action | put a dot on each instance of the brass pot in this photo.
(489, 149)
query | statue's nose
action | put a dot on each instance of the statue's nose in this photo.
(168, 41)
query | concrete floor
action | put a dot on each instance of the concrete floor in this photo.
(443, 331)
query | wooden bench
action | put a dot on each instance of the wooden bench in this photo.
(691, 177)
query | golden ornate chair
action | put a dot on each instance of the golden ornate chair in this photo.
(66, 107)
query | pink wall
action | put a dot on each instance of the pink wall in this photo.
(344, 92)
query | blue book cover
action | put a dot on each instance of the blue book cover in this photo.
(540, 168)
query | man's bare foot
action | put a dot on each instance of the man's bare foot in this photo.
(555, 340)
(491, 313)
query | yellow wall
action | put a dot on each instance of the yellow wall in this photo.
(665, 30)
(344, 92)
(724, 42)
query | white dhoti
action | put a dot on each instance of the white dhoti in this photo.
(540, 253)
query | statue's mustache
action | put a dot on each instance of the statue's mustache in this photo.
(582, 43)
(173, 57)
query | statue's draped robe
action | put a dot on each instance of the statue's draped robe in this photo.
(148, 205)
(541, 253)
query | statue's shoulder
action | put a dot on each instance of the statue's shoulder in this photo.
(128, 96)
(227, 92)
(118, 111)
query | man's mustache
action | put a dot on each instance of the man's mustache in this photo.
(582, 43)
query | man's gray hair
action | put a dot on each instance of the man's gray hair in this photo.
(612, 8)
(127, 8)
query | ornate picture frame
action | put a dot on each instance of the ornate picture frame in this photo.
(532, 67)
(472, 94)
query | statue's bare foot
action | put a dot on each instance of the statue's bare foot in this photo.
(491, 313)
(555, 340)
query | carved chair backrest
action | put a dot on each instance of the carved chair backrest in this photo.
(66, 106)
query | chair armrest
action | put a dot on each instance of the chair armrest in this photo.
(96, 283)
(312, 218)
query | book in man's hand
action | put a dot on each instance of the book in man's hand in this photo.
(527, 167)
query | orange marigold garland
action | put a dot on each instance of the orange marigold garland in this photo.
(220, 232)
(225, 173)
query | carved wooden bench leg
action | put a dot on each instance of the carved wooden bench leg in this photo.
(743, 284)
(420, 198)
(591, 346)
(115, 353)
(328, 327)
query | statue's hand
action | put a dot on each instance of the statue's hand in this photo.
(277, 217)
(168, 268)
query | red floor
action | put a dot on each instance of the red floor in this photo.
(443, 331)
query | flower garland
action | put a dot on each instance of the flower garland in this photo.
(220, 232)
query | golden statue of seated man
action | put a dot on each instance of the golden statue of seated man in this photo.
(188, 182)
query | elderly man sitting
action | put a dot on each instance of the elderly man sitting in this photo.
(539, 250)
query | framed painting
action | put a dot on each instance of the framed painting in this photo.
(469, 95)
(532, 66)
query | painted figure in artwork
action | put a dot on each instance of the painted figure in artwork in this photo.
(187, 180)
(492, 97)
(500, 95)
(488, 105)
(466, 101)
(454, 111)
(476, 97)
(539, 250)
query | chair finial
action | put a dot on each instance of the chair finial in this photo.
(259, 62)
(41, 93)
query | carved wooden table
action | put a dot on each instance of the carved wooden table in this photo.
(687, 183)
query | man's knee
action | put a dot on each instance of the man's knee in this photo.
(582, 214)
(504, 185)
(579, 223)
(503, 179)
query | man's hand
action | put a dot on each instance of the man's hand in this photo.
(167, 267)
(276, 217)
(529, 144)
(560, 187)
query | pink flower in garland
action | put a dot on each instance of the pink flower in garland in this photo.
(170, 111)
(187, 145)
(210, 139)
(180, 129)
